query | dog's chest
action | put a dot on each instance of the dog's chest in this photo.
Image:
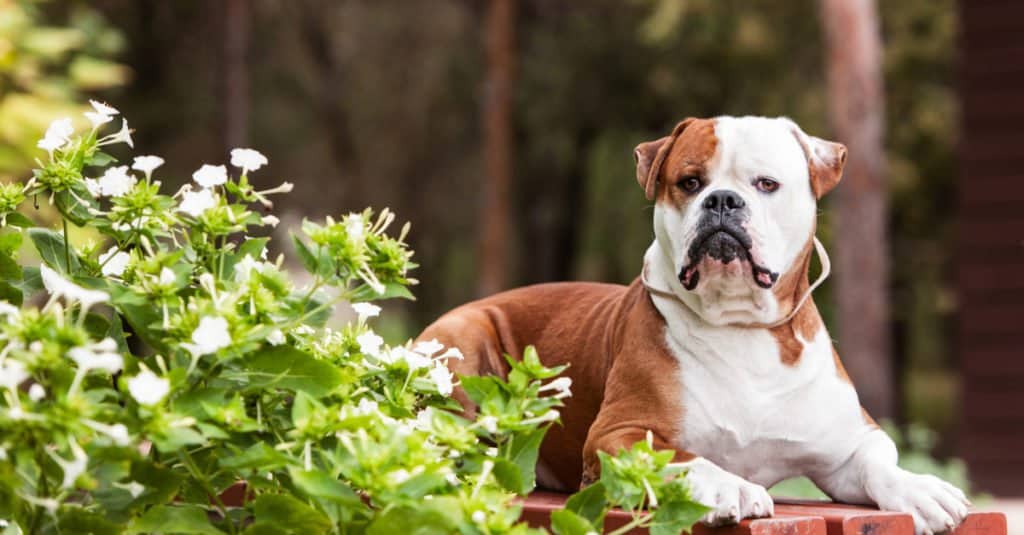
(755, 416)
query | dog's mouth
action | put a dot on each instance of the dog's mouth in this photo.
(725, 243)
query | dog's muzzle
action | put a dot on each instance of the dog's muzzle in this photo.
(721, 236)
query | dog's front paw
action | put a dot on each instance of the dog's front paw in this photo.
(937, 506)
(730, 497)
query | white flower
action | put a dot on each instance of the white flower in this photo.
(354, 226)
(366, 310)
(58, 287)
(270, 221)
(36, 392)
(245, 267)
(57, 135)
(7, 309)
(451, 353)
(479, 517)
(442, 379)
(415, 360)
(399, 476)
(490, 423)
(99, 356)
(147, 164)
(93, 186)
(369, 343)
(167, 277)
(148, 388)
(211, 335)
(194, 203)
(118, 433)
(276, 337)
(114, 262)
(97, 119)
(103, 108)
(134, 488)
(116, 181)
(560, 386)
(428, 348)
(12, 373)
(247, 159)
(366, 406)
(73, 468)
(491, 452)
(209, 176)
(124, 135)
(424, 419)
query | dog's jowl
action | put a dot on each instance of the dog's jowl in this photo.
(716, 347)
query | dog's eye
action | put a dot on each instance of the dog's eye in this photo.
(766, 184)
(690, 183)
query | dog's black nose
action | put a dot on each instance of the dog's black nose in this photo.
(723, 201)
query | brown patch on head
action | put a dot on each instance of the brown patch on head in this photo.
(684, 152)
(825, 161)
(806, 322)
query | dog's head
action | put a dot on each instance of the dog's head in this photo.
(735, 205)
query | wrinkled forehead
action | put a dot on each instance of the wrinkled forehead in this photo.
(759, 146)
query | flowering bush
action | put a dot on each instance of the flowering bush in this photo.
(143, 377)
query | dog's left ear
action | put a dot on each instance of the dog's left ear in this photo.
(825, 161)
(651, 154)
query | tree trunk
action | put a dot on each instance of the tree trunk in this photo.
(497, 129)
(856, 107)
(236, 74)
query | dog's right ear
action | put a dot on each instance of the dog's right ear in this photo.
(651, 154)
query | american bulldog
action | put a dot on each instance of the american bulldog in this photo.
(716, 348)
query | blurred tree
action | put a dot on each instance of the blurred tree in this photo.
(50, 56)
(854, 65)
(497, 128)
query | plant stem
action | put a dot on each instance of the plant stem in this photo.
(67, 247)
(190, 465)
(637, 521)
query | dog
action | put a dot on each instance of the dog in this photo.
(716, 349)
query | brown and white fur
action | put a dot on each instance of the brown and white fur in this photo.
(713, 354)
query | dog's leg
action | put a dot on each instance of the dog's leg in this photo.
(871, 476)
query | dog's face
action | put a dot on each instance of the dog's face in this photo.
(735, 205)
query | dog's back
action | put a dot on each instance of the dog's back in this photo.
(560, 320)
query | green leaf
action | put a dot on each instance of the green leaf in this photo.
(11, 293)
(508, 476)
(75, 209)
(427, 519)
(31, 282)
(50, 245)
(565, 522)
(16, 219)
(100, 159)
(522, 450)
(391, 290)
(308, 259)
(318, 484)
(479, 388)
(144, 318)
(287, 512)
(304, 408)
(78, 520)
(590, 503)
(287, 367)
(675, 517)
(258, 456)
(174, 519)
